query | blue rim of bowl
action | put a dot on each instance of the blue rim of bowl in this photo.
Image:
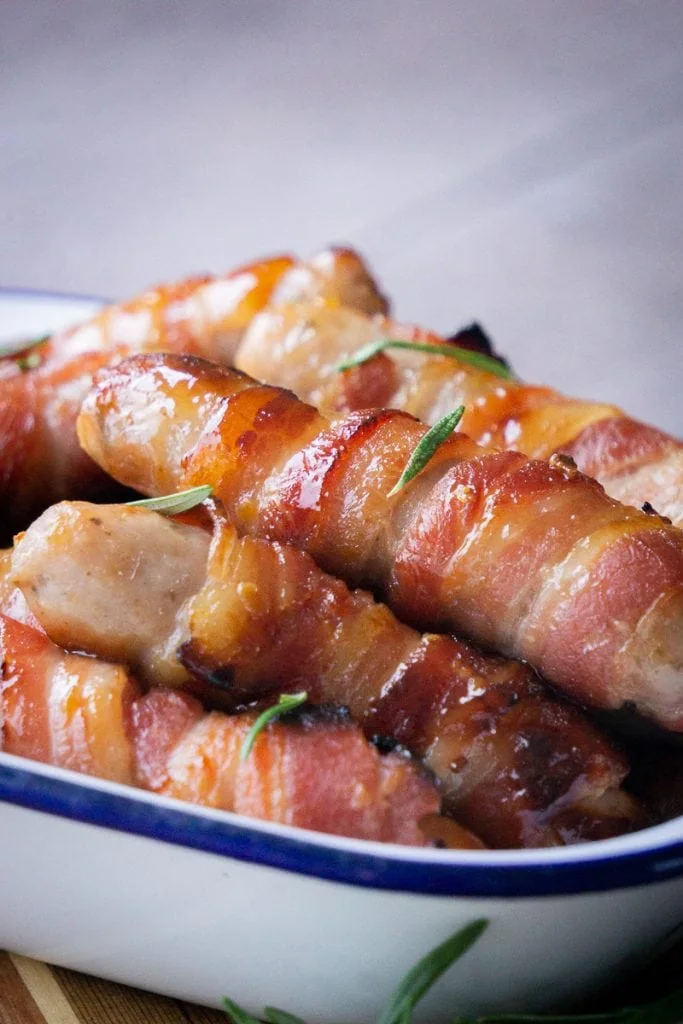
(313, 856)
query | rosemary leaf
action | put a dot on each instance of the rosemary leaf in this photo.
(423, 975)
(287, 702)
(30, 362)
(668, 1010)
(462, 355)
(425, 449)
(173, 504)
(612, 1017)
(22, 346)
(275, 1016)
(237, 1014)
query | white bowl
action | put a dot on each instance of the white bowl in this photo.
(200, 904)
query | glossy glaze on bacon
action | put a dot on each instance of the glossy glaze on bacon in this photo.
(529, 558)
(251, 618)
(40, 459)
(208, 315)
(64, 709)
(90, 716)
(299, 346)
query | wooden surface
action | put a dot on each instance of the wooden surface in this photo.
(34, 993)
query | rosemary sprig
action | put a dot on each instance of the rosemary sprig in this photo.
(31, 360)
(405, 997)
(287, 702)
(237, 1014)
(173, 504)
(667, 1010)
(418, 981)
(462, 355)
(22, 346)
(275, 1016)
(425, 449)
(422, 976)
(270, 1014)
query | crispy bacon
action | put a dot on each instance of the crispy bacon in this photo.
(317, 772)
(252, 618)
(298, 346)
(529, 558)
(40, 460)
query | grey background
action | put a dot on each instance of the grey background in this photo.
(517, 162)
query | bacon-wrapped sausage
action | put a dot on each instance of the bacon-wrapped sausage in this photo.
(250, 618)
(317, 772)
(208, 315)
(532, 559)
(299, 346)
(40, 460)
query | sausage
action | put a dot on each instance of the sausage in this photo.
(246, 618)
(530, 558)
(316, 772)
(300, 345)
(40, 460)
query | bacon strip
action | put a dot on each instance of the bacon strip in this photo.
(40, 460)
(298, 346)
(528, 558)
(252, 618)
(317, 772)
(64, 709)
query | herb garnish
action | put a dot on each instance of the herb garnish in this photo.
(422, 976)
(287, 702)
(22, 346)
(30, 362)
(426, 448)
(463, 355)
(172, 504)
(25, 362)
(274, 1016)
(668, 1010)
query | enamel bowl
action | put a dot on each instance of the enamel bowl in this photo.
(199, 904)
